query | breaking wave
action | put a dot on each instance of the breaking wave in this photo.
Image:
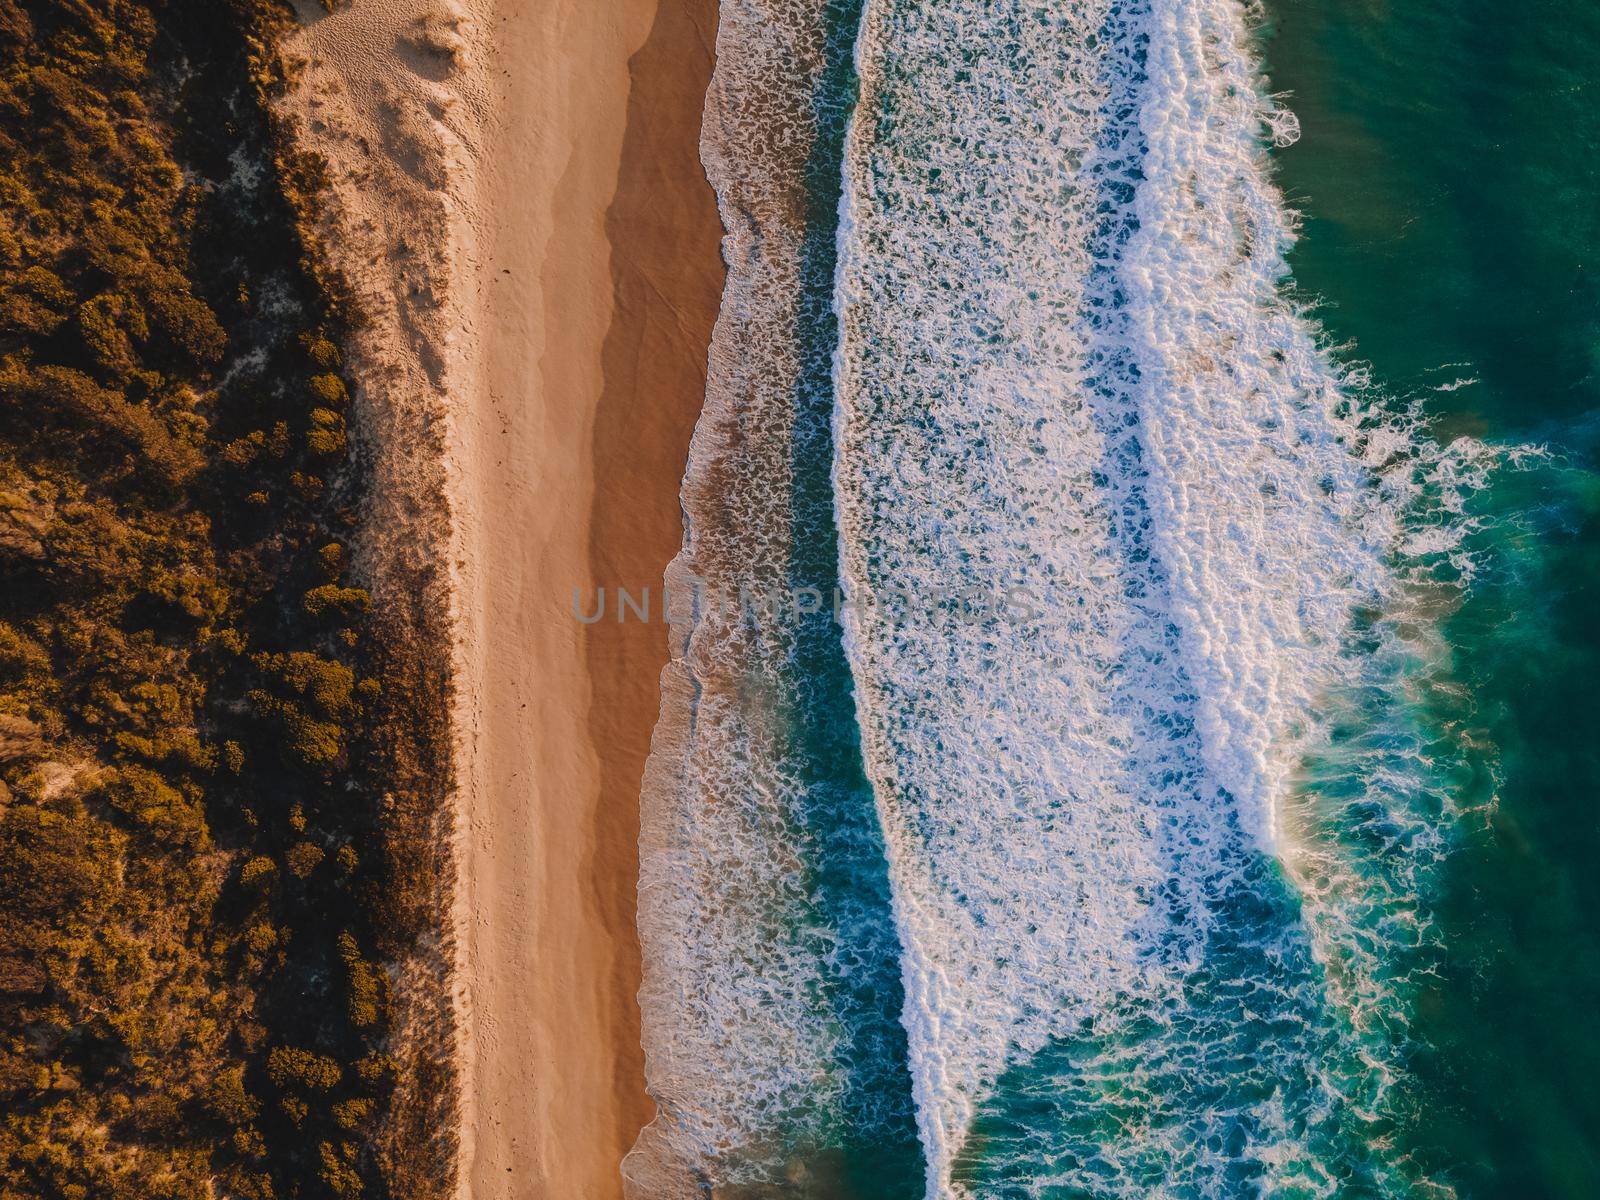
(1123, 891)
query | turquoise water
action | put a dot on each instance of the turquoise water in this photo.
(1448, 179)
(1259, 862)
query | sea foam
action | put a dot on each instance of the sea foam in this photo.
(770, 998)
(1067, 363)
(1107, 900)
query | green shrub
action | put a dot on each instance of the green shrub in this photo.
(76, 398)
(290, 1067)
(158, 508)
(227, 1100)
(259, 872)
(365, 990)
(377, 1068)
(321, 350)
(34, 301)
(184, 321)
(327, 684)
(329, 390)
(326, 441)
(241, 452)
(108, 323)
(315, 738)
(304, 858)
(312, 743)
(337, 1173)
(20, 655)
(154, 804)
(341, 601)
(351, 1113)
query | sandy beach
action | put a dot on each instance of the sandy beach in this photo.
(600, 289)
(523, 213)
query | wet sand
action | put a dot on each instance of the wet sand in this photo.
(598, 291)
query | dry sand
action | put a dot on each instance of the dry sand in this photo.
(523, 211)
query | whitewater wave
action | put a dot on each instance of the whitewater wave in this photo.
(1126, 893)
(1068, 362)
(770, 998)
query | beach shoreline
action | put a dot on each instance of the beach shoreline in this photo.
(521, 208)
(598, 293)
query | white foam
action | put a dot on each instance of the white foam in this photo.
(1066, 364)
(743, 1045)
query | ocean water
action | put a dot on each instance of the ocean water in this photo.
(1232, 854)
(772, 995)
(1448, 176)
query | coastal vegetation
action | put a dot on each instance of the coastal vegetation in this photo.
(214, 857)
